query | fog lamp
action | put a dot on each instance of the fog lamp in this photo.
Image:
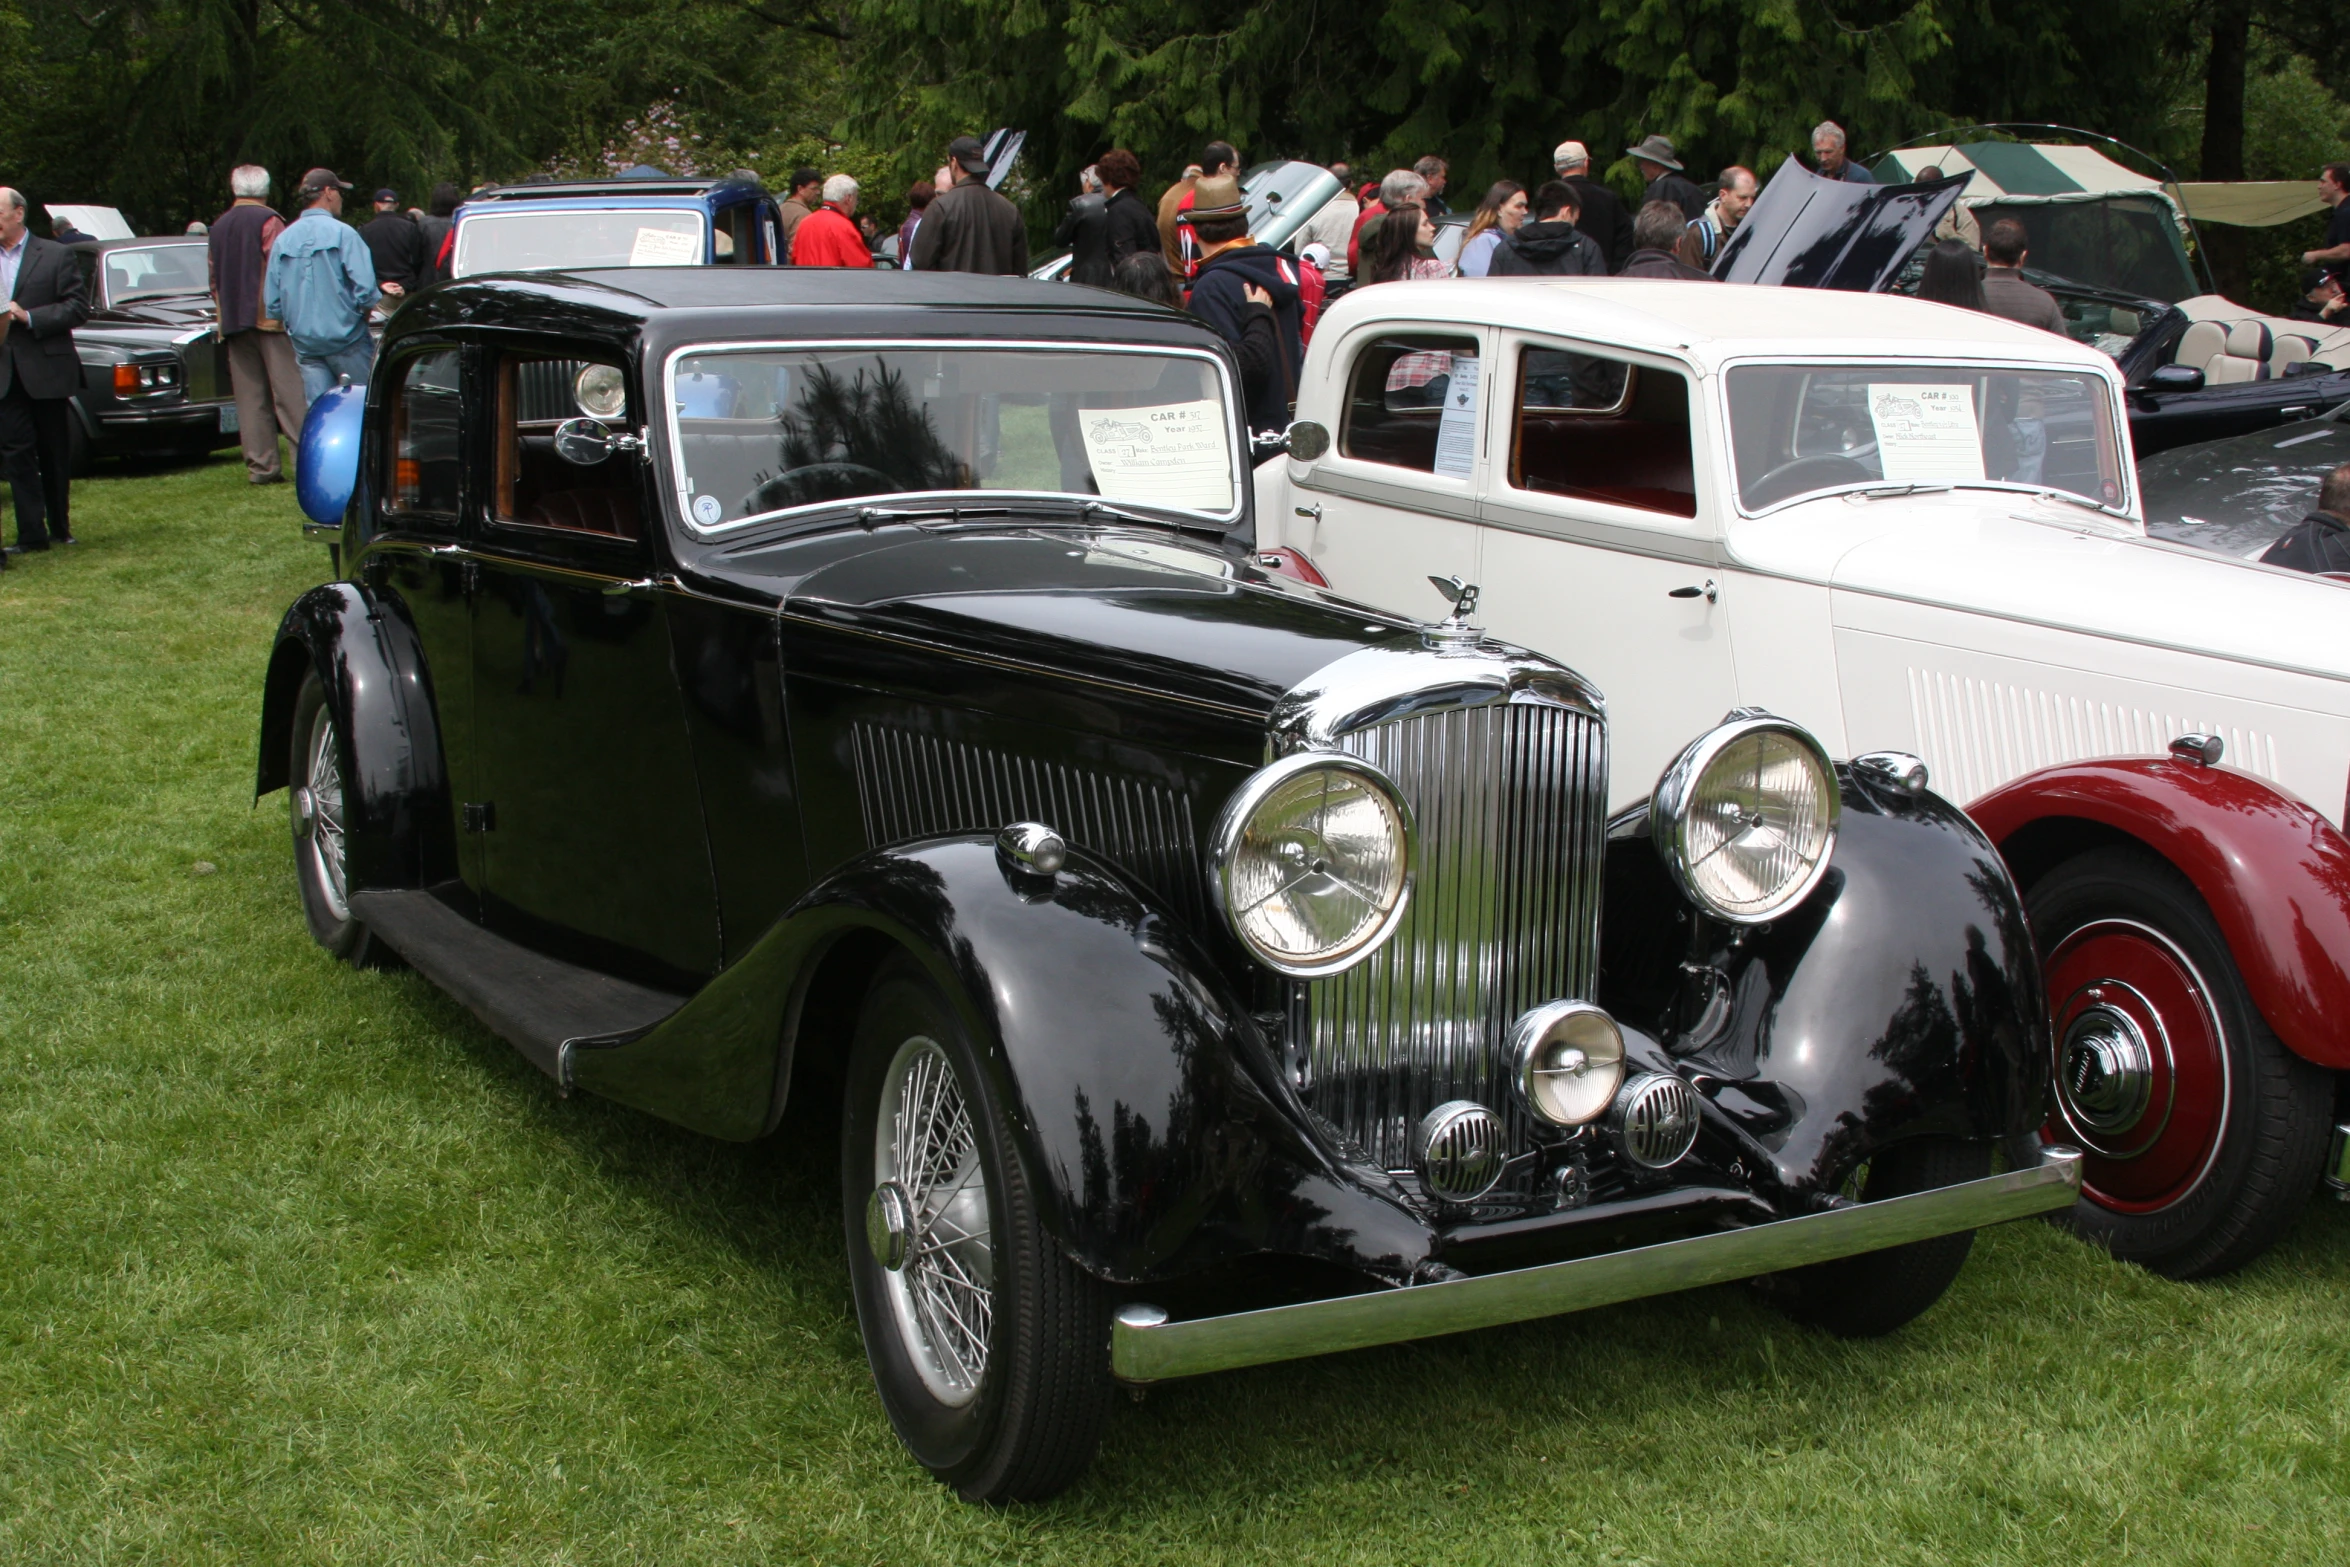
(1567, 1059)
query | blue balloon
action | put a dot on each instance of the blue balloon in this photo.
(326, 469)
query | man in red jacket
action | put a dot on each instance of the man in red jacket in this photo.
(828, 237)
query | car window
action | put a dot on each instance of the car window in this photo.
(762, 431)
(537, 487)
(159, 269)
(492, 241)
(1803, 429)
(1404, 392)
(1603, 429)
(424, 445)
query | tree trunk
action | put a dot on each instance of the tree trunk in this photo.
(2223, 136)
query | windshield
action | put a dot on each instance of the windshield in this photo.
(492, 241)
(1801, 429)
(2128, 243)
(158, 269)
(760, 431)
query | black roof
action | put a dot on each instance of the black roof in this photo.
(678, 185)
(676, 303)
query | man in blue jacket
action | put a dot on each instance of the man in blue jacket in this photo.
(321, 284)
(1249, 293)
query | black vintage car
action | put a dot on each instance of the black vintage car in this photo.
(750, 689)
(154, 377)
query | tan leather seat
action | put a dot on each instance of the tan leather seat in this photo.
(2199, 345)
(2291, 349)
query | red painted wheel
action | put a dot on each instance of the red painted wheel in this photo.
(2203, 1133)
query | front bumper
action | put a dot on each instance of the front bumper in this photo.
(1145, 1346)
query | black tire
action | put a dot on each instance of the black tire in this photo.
(2275, 1110)
(319, 860)
(1876, 1292)
(1024, 1425)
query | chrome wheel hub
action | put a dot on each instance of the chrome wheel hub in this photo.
(318, 815)
(928, 1222)
(2107, 1070)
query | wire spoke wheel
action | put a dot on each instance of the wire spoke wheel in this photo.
(943, 1295)
(318, 807)
(325, 825)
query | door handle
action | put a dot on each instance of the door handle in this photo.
(1314, 512)
(613, 590)
(1710, 593)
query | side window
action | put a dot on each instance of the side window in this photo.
(1405, 392)
(536, 486)
(731, 237)
(425, 437)
(1603, 429)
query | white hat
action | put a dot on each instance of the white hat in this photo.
(1569, 153)
(1317, 252)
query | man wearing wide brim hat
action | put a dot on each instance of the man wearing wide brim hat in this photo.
(1250, 294)
(1661, 167)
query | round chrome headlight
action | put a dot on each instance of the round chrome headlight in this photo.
(1746, 818)
(1568, 1060)
(601, 391)
(1313, 862)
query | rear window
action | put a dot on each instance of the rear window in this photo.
(493, 241)
(1411, 402)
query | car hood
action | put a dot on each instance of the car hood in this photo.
(1807, 232)
(2013, 557)
(2236, 495)
(1150, 611)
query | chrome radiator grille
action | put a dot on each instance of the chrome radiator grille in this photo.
(1512, 805)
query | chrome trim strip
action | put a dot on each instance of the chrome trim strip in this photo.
(1458, 502)
(1146, 1347)
(1378, 685)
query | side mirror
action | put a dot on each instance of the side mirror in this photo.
(2176, 378)
(326, 462)
(585, 442)
(1308, 440)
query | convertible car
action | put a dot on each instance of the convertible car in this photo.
(748, 691)
(2196, 370)
(1909, 527)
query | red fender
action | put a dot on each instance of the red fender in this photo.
(2275, 874)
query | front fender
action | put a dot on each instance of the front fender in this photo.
(1145, 1104)
(1902, 999)
(2275, 873)
(371, 666)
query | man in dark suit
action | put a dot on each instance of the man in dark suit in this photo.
(39, 370)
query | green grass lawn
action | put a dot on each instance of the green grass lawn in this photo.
(300, 1264)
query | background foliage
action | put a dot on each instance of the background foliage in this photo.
(146, 103)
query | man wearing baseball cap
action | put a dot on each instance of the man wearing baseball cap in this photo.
(970, 228)
(321, 284)
(395, 244)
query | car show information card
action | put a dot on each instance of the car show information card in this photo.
(1926, 433)
(665, 248)
(1456, 430)
(1176, 454)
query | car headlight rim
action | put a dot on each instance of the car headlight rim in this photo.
(1230, 838)
(1673, 818)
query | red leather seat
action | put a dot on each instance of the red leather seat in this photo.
(590, 511)
(1624, 462)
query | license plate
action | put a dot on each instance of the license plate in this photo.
(228, 418)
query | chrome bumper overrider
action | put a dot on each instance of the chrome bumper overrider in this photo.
(1146, 1347)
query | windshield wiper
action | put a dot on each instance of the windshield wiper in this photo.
(2084, 503)
(1878, 492)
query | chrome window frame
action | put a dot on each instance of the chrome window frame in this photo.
(2111, 378)
(681, 491)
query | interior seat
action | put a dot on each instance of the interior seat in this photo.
(610, 511)
(2246, 357)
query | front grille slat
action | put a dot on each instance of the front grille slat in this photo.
(1511, 802)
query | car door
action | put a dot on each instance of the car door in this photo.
(588, 812)
(1393, 502)
(1601, 544)
(415, 552)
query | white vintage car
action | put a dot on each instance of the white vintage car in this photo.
(1915, 530)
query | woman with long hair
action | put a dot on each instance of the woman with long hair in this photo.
(1397, 251)
(1498, 217)
(1954, 276)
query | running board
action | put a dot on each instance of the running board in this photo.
(535, 1003)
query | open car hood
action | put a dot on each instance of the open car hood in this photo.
(1809, 232)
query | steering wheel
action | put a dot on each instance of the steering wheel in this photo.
(1801, 474)
(774, 492)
